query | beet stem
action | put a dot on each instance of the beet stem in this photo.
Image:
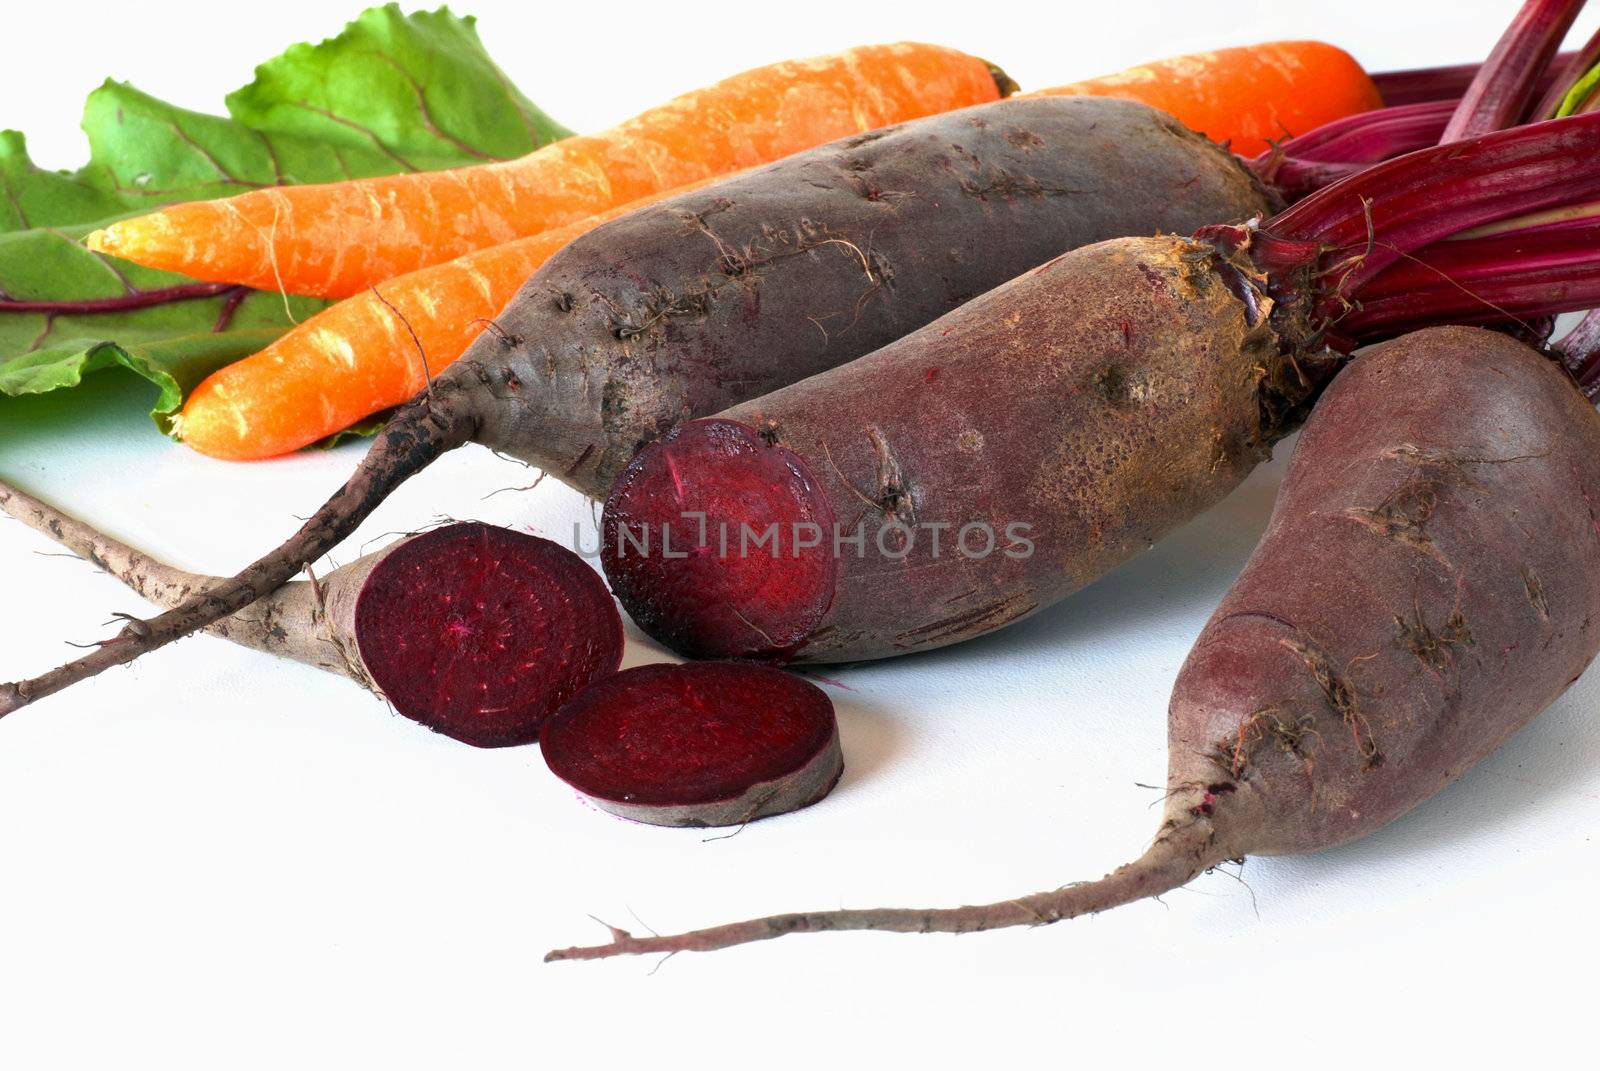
(1579, 350)
(138, 299)
(427, 427)
(1363, 137)
(236, 297)
(1549, 268)
(1392, 209)
(1423, 84)
(1569, 68)
(1504, 87)
(1180, 853)
(1302, 166)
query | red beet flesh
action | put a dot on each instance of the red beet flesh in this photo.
(699, 744)
(749, 581)
(481, 633)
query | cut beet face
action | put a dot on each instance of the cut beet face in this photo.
(720, 544)
(699, 744)
(481, 633)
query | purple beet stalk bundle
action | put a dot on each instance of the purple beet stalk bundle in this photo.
(1523, 80)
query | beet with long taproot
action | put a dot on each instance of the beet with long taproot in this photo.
(472, 630)
(1425, 587)
(726, 293)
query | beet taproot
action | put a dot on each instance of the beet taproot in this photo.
(1425, 587)
(472, 630)
(726, 293)
(698, 744)
(1007, 454)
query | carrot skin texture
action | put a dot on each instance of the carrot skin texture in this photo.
(1247, 97)
(1425, 587)
(714, 296)
(334, 240)
(362, 355)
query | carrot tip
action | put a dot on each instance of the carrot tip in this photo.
(103, 240)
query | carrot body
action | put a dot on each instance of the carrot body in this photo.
(338, 239)
(1247, 97)
(358, 357)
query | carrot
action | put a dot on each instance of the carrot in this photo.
(338, 239)
(1247, 97)
(370, 351)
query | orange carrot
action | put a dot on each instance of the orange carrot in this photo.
(338, 239)
(1247, 96)
(367, 352)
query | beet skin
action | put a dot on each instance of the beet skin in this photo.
(716, 296)
(1425, 587)
(1031, 440)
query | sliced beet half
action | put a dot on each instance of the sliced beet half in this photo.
(481, 633)
(698, 744)
(719, 544)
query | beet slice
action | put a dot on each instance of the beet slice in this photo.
(698, 744)
(480, 633)
(474, 631)
(720, 544)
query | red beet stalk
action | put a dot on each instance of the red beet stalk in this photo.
(1568, 69)
(1372, 136)
(1428, 196)
(1492, 96)
(1580, 352)
(1345, 146)
(133, 300)
(1502, 277)
(1419, 85)
(1504, 88)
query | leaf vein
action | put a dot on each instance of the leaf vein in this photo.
(367, 132)
(425, 113)
(16, 203)
(227, 175)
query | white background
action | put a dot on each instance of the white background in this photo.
(213, 859)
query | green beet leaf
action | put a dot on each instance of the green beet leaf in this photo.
(392, 93)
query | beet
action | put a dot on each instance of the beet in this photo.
(765, 592)
(1425, 587)
(997, 460)
(695, 303)
(480, 633)
(474, 631)
(699, 744)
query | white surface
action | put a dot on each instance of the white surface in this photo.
(217, 860)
